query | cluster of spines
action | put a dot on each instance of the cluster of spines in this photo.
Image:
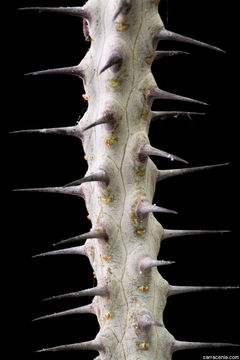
(143, 208)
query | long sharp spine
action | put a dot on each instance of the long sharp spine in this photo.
(114, 62)
(70, 130)
(165, 95)
(168, 233)
(177, 290)
(184, 345)
(71, 70)
(107, 118)
(123, 8)
(71, 190)
(164, 34)
(73, 11)
(147, 263)
(88, 345)
(89, 235)
(161, 54)
(98, 176)
(162, 115)
(145, 322)
(164, 174)
(76, 311)
(77, 250)
(144, 208)
(96, 291)
(147, 150)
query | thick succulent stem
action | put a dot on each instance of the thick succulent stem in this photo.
(119, 185)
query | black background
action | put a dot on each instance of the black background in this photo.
(205, 200)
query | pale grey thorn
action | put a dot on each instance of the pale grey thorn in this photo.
(107, 118)
(71, 190)
(98, 176)
(144, 208)
(88, 345)
(77, 250)
(96, 291)
(165, 95)
(87, 309)
(148, 323)
(177, 290)
(123, 8)
(70, 130)
(147, 150)
(164, 174)
(166, 53)
(88, 235)
(73, 11)
(164, 34)
(86, 30)
(71, 70)
(168, 233)
(184, 345)
(147, 263)
(115, 61)
(145, 322)
(162, 115)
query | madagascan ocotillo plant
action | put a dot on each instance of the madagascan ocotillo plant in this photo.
(126, 39)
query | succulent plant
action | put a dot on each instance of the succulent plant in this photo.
(123, 74)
